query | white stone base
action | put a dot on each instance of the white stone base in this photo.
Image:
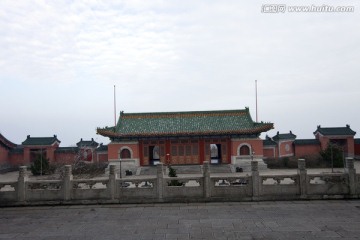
(245, 163)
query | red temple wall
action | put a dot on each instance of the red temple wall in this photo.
(357, 149)
(255, 144)
(101, 157)
(269, 152)
(350, 146)
(17, 159)
(285, 148)
(4, 155)
(302, 151)
(65, 158)
(114, 149)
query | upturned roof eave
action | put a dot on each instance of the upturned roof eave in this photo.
(257, 130)
(7, 142)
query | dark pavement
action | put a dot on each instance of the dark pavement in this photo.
(338, 219)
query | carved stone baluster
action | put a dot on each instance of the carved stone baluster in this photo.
(351, 171)
(68, 177)
(206, 176)
(21, 188)
(301, 171)
(160, 181)
(255, 180)
(112, 189)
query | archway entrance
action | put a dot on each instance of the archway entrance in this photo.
(244, 150)
(215, 153)
(154, 152)
(125, 154)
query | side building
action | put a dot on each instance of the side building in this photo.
(12, 155)
(286, 145)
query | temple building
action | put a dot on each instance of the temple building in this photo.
(228, 136)
(145, 139)
(286, 144)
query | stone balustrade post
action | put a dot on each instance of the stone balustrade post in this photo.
(21, 186)
(351, 171)
(112, 182)
(160, 181)
(206, 175)
(255, 180)
(302, 173)
(68, 177)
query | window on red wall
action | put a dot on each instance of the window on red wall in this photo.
(244, 150)
(125, 153)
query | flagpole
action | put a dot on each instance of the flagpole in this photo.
(114, 107)
(256, 100)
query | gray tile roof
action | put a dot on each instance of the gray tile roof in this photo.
(307, 142)
(87, 143)
(268, 141)
(67, 150)
(284, 136)
(335, 131)
(40, 141)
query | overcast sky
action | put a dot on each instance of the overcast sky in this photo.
(60, 60)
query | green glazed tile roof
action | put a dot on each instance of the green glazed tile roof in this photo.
(335, 131)
(34, 141)
(185, 123)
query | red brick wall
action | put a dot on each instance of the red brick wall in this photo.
(256, 145)
(101, 157)
(4, 155)
(49, 151)
(350, 146)
(114, 148)
(269, 152)
(17, 159)
(65, 157)
(324, 141)
(285, 148)
(26, 156)
(306, 150)
(357, 149)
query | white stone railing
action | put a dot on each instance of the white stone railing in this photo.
(251, 186)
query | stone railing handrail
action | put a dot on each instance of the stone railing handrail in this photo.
(44, 181)
(98, 180)
(249, 186)
(9, 182)
(325, 174)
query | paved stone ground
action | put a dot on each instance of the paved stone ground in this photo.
(338, 219)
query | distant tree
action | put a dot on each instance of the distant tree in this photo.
(333, 151)
(40, 166)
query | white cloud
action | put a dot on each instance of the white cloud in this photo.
(175, 55)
